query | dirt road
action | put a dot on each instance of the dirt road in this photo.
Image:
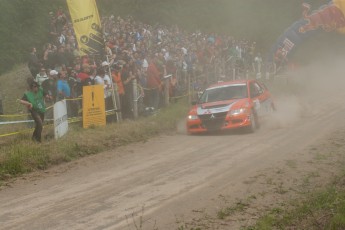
(172, 180)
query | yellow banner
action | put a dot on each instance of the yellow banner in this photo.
(87, 26)
(341, 5)
(93, 106)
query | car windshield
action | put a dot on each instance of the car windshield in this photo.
(223, 93)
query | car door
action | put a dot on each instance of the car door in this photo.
(260, 98)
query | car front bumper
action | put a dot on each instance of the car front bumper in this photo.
(229, 122)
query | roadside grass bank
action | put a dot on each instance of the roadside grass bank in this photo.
(323, 209)
(20, 155)
(305, 191)
(319, 191)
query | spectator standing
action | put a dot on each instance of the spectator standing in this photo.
(41, 76)
(128, 75)
(61, 57)
(104, 79)
(74, 85)
(47, 56)
(61, 20)
(49, 85)
(144, 62)
(83, 75)
(64, 91)
(98, 79)
(116, 75)
(91, 79)
(62, 87)
(154, 84)
(33, 99)
(69, 55)
(53, 33)
(33, 63)
(108, 85)
(108, 91)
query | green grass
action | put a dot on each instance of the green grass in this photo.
(239, 206)
(320, 210)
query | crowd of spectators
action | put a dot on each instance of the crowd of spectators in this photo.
(135, 51)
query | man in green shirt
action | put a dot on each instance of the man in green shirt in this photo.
(33, 99)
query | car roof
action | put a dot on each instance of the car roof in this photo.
(226, 83)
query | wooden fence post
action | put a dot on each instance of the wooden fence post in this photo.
(135, 99)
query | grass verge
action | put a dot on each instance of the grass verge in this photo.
(323, 209)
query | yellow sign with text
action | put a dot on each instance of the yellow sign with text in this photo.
(93, 106)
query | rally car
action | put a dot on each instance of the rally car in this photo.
(230, 105)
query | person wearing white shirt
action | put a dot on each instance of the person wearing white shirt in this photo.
(41, 76)
(103, 79)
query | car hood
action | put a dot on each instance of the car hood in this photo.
(219, 106)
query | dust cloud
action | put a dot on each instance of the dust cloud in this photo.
(308, 91)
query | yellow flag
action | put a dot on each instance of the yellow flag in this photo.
(87, 26)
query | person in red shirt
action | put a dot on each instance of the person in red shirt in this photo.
(84, 74)
(154, 84)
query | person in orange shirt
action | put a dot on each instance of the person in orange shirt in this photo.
(116, 76)
(154, 84)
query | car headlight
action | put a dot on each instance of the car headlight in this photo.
(237, 111)
(193, 117)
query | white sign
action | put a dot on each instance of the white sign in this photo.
(60, 119)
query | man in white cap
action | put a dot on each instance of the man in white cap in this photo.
(105, 66)
(49, 85)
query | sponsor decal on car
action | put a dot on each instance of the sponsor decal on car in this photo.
(201, 111)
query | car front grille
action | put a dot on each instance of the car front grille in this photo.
(213, 121)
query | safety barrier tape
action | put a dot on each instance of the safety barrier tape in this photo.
(15, 122)
(74, 99)
(22, 131)
(18, 122)
(15, 115)
(70, 120)
(23, 114)
(15, 133)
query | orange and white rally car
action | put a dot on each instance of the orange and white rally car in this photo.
(230, 105)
